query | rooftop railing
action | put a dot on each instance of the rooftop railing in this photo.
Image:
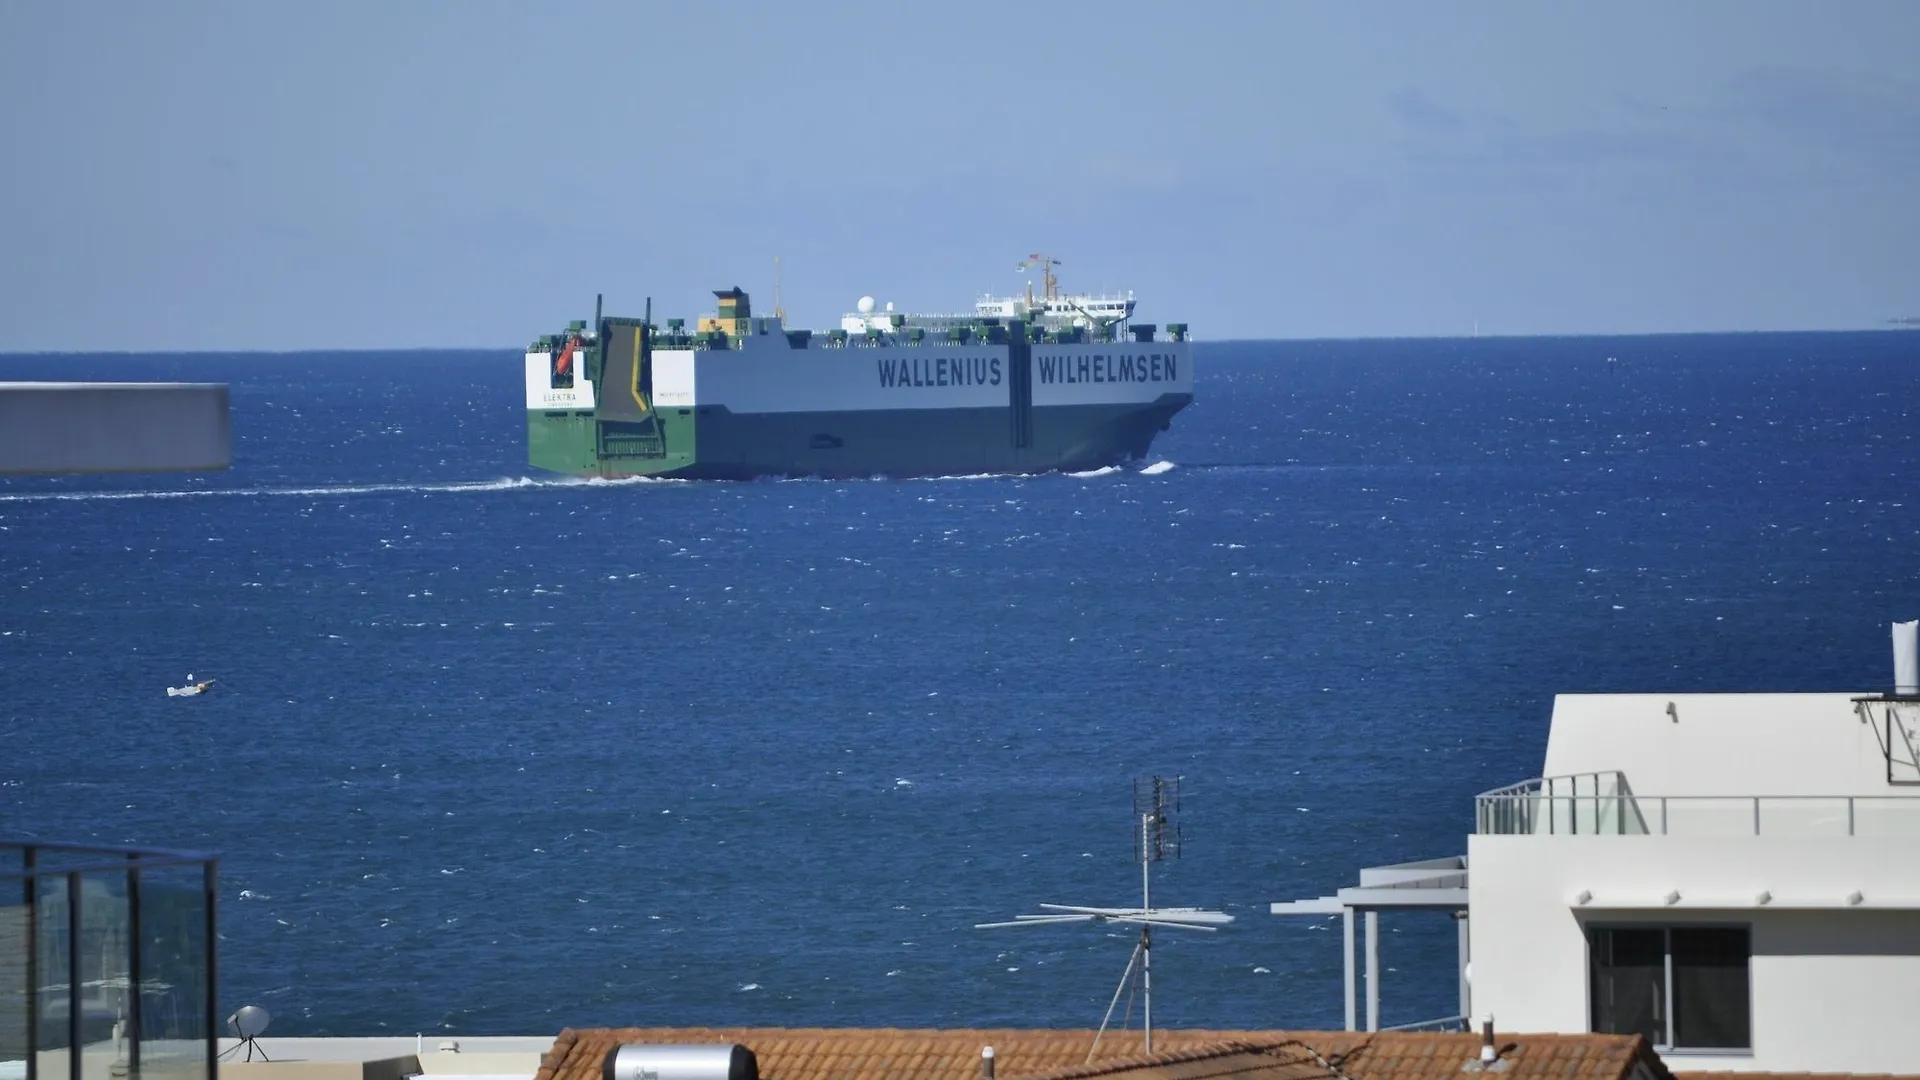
(1603, 804)
(1441, 1023)
(106, 962)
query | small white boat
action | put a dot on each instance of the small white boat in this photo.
(192, 688)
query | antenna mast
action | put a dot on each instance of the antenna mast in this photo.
(1157, 837)
(778, 311)
(1049, 283)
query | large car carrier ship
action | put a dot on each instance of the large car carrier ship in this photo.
(1023, 385)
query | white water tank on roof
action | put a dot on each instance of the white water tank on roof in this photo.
(698, 1061)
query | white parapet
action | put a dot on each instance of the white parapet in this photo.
(1906, 658)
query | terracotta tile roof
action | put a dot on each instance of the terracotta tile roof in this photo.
(1793, 1076)
(1031, 1054)
(1389, 1056)
(873, 1053)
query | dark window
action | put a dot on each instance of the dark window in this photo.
(1629, 982)
(1710, 1006)
(1683, 987)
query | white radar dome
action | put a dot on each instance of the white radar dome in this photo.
(865, 305)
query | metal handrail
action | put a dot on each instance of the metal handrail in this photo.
(1541, 784)
(98, 849)
(45, 913)
(1500, 813)
(1513, 809)
(119, 866)
(1442, 1023)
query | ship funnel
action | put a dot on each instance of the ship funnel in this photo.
(1906, 659)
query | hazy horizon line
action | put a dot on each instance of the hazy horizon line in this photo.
(1891, 326)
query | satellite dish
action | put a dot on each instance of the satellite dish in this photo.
(248, 1021)
(865, 305)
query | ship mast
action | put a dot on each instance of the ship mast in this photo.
(1050, 285)
(778, 311)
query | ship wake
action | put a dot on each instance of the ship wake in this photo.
(513, 483)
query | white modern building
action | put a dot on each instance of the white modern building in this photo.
(1736, 876)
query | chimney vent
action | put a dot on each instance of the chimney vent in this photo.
(1489, 1060)
(986, 1063)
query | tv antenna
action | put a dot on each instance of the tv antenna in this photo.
(1156, 838)
(246, 1023)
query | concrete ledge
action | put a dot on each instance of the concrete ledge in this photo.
(393, 1068)
(52, 428)
(482, 1063)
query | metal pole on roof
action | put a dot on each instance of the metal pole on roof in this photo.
(135, 1034)
(75, 1058)
(1146, 932)
(210, 902)
(30, 884)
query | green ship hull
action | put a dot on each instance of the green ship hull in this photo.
(712, 443)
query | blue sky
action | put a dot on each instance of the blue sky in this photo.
(295, 175)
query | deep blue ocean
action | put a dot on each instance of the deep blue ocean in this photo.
(492, 753)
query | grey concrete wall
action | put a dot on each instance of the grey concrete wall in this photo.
(49, 428)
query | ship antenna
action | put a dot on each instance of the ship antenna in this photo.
(1049, 284)
(1155, 801)
(778, 311)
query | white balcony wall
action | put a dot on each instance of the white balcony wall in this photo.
(1725, 744)
(1832, 990)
